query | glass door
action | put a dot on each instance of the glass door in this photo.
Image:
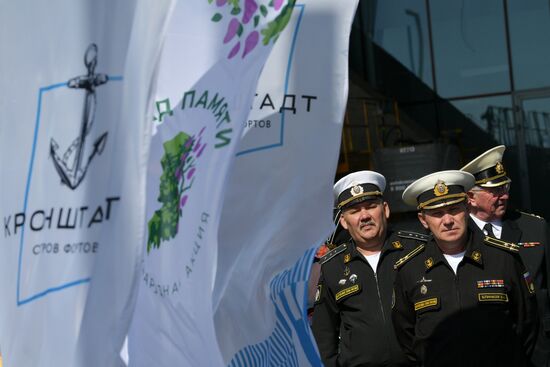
(533, 132)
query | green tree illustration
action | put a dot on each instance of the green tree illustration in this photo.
(164, 223)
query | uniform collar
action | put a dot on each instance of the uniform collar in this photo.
(391, 243)
(473, 251)
(481, 223)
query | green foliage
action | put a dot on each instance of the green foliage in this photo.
(217, 17)
(277, 25)
(163, 225)
(153, 228)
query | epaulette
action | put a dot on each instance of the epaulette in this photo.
(409, 256)
(413, 235)
(531, 215)
(495, 242)
(329, 255)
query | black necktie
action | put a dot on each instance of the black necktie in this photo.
(488, 228)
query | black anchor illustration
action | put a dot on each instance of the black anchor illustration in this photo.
(72, 166)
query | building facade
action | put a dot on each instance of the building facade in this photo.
(434, 83)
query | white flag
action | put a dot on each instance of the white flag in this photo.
(75, 78)
(279, 199)
(209, 69)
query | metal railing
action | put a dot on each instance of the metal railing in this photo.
(501, 125)
(369, 124)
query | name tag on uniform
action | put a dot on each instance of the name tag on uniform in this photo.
(347, 292)
(492, 297)
(430, 302)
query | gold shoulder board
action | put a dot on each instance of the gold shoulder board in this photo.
(413, 235)
(409, 256)
(531, 214)
(495, 242)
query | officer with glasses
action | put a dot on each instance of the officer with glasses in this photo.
(488, 204)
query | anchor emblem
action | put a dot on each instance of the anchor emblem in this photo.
(72, 166)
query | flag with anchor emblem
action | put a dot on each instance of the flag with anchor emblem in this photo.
(75, 78)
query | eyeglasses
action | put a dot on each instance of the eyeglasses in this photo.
(495, 191)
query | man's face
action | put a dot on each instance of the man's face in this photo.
(367, 221)
(489, 203)
(448, 224)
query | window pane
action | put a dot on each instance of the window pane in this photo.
(469, 47)
(530, 42)
(420, 124)
(489, 121)
(356, 54)
(401, 29)
(536, 121)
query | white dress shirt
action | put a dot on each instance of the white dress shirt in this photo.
(497, 226)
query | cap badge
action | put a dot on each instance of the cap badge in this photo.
(440, 188)
(356, 190)
(499, 168)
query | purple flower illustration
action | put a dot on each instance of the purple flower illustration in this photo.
(234, 50)
(251, 42)
(183, 201)
(255, 22)
(231, 30)
(197, 146)
(200, 151)
(189, 142)
(277, 4)
(250, 8)
(190, 173)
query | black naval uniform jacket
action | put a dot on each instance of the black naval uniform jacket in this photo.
(485, 315)
(532, 233)
(352, 314)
